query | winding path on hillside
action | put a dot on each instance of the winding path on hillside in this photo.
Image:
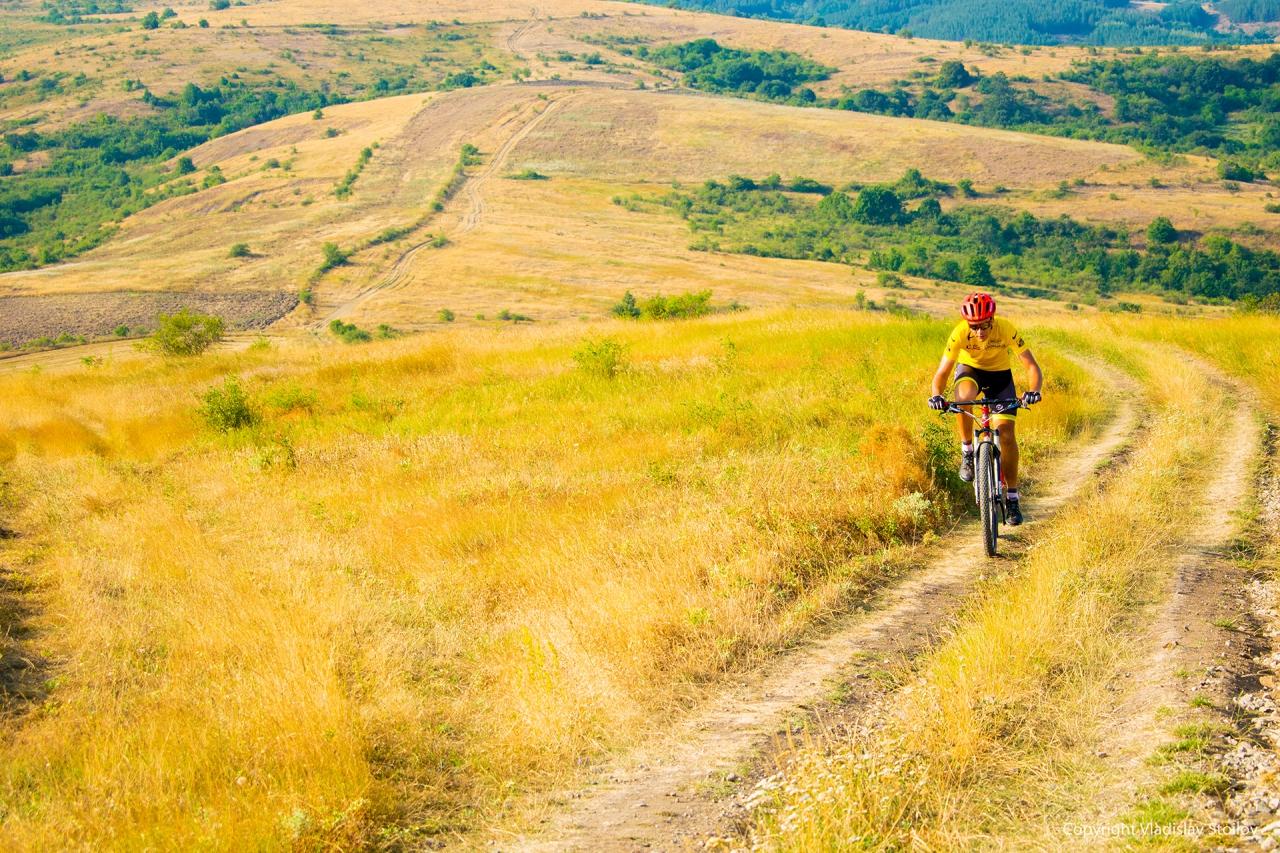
(650, 799)
(514, 39)
(467, 220)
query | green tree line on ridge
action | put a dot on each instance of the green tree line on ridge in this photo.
(902, 228)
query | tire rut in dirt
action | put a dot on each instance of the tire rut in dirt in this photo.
(1198, 642)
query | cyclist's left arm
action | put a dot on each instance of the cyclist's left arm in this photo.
(1033, 369)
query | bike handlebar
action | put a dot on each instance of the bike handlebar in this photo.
(1005, 405)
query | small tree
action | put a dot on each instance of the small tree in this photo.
(953, 75)
(185, 333)
(1161, 231)
(978, 273)
(239, 250)
(877, 206)
(627, 308)
(151, 21)
(836, 206)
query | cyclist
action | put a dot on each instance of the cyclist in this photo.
(981, 344)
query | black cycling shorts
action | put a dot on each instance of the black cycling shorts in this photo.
(993, 384)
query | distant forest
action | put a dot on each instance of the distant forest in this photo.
(1093, 22)
(1174, 102)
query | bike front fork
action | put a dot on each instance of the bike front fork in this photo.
(1000, 484)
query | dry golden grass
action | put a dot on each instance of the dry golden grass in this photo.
(986, 742)
(438, 573)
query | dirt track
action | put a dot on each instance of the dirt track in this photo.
(95, 315)
(669, 795)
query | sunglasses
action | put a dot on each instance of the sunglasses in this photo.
(980, 328)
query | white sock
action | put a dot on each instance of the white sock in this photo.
(966, 447)
(1011, 494)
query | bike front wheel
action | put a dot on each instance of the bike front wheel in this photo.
(987, 491)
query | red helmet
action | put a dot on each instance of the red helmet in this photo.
(978, 308)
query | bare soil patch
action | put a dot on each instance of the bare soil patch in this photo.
(95, 315)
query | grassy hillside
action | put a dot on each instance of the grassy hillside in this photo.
(432, 576)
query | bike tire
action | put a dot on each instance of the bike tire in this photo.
(986, 488)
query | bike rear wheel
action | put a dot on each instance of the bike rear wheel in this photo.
(987, 491)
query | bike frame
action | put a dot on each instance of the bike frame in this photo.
(984, 431)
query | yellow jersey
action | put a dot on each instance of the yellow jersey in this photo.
(993, 354)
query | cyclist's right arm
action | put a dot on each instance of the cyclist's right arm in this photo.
(949, 356)
(943, 375)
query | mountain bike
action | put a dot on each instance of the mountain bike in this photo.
(988, 478)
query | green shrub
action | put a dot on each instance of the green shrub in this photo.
(889, 279)
(528, 175)
(966, 188)
(121, 331)
(185, 333)
(239, 250)
(1229, 171)
(186, 166)
(151, 21)
(627, 307)
(504, 314)
(445, 316)
(1161, 231)
(227, 407)
(219, 5)
(333, 256)
(877, 206)
(306, 297)
(676, 307)
(331, 132)
(385, 332)
(213, 177)
(605, 358)
(350, 333)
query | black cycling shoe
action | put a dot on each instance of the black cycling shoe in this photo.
(966, 467)
(1012, 514)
